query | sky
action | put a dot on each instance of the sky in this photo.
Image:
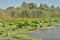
(16, 3)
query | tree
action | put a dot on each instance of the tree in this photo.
(10, 8)
(25, 5)
(24, 13)
(30, 10)
(44, 7)
(32, 6)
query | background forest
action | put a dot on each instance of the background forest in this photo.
(30, 10)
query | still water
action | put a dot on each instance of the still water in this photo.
(50, 34)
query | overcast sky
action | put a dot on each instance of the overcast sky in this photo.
(15, 3)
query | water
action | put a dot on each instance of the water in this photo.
(50, 34)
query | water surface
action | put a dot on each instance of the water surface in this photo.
(50, 34)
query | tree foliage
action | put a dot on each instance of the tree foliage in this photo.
(30, 10)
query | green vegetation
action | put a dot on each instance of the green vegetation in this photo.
(16, 29)
(15, 22)
(30, 10)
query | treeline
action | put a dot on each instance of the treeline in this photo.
(30, 10)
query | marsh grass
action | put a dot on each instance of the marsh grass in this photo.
(15, 29)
